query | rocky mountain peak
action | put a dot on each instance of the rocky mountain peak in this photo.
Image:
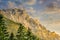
(21, 16)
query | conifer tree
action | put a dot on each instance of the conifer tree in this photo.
(21, 33)
(25, 35)
(3, 32)
(31, 36)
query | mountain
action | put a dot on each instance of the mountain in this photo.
(10, 30)
(21, 16)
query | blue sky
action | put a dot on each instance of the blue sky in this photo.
(47, 11)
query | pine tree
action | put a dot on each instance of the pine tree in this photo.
(3, 32)
(31, 36)
(24, 34)
(21, 33)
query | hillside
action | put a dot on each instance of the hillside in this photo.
(10, 30)
(13, 18)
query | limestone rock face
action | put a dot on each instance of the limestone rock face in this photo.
(21, 16)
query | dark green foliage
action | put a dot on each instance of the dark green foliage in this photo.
(12, 37)
(24, 34)
(3, 33)
(21, 33)
(31, 36)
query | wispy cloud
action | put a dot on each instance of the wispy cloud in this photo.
(52, 7)
(31, 10)
(11, 4)
(55, 23)
(31, 2)
(42, 1)
(58, 0)
(14, 5)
